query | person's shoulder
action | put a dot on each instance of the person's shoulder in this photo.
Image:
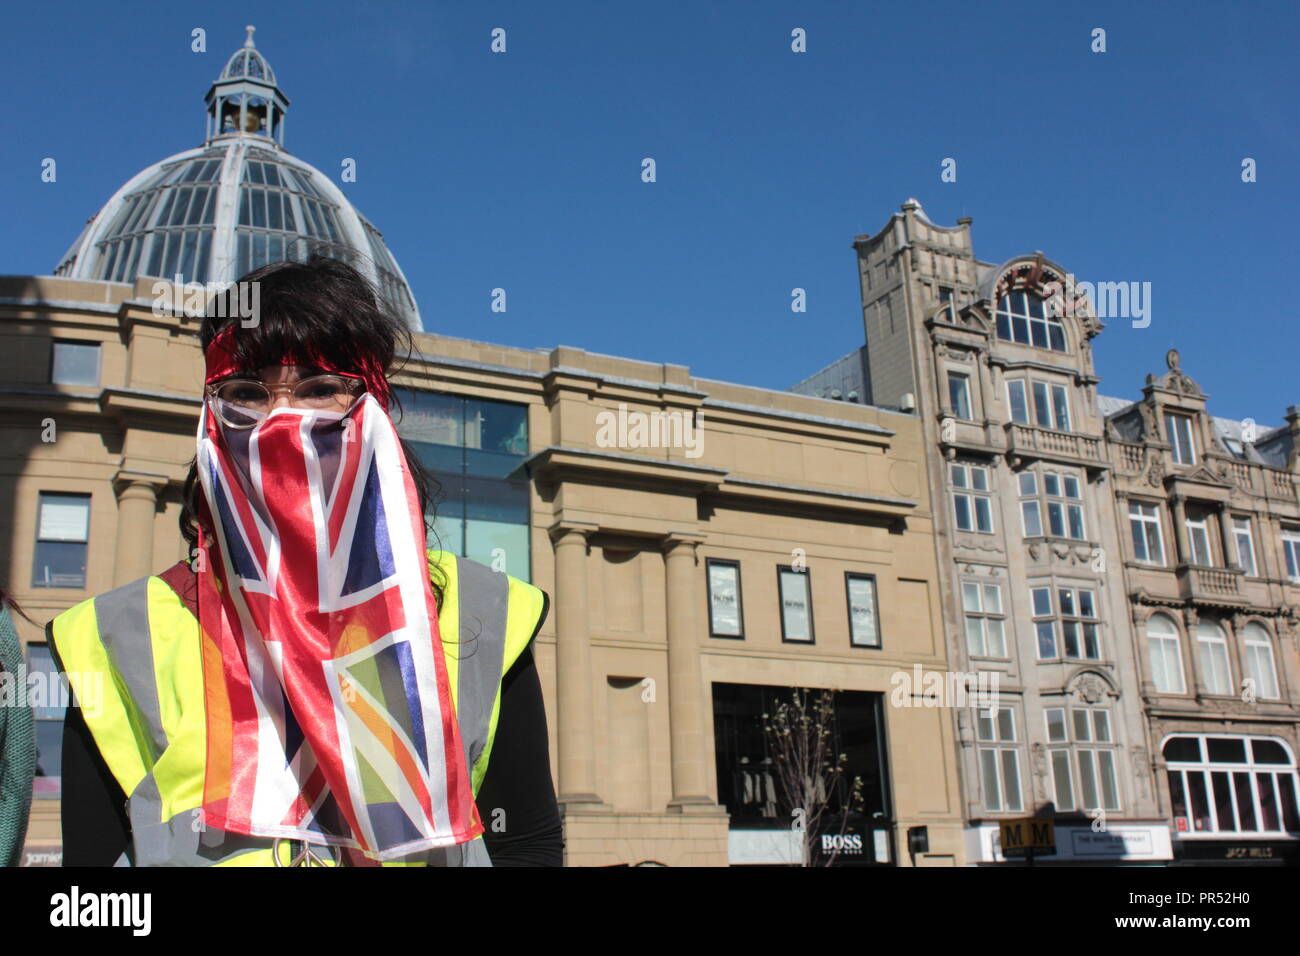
(517, 586)
(177, 573)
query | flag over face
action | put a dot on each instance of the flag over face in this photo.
(329, 711)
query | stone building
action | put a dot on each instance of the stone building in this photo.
(707, 546)
(1030, 587)
(1212, 575)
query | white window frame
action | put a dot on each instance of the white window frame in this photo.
(1141, 521)
(964, 379)
(1083, 623)
(1291, 553)
(984, 623)
(1030, 505)
(1026, 319)
(1165, 639)
(1257, 648)
(1201, 525)
(1024, 402)
(1240, 530)
(1043, 619)
(1097, 754)
(1184, 453)
(1252, 770)
(1211, 640)
(992, 739)
(973, 495)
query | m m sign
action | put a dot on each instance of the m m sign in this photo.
(1019, 837)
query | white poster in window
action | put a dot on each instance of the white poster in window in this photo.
(724, 598)
(881, 845)
(795, 613)
(64, 519)
(862, 612)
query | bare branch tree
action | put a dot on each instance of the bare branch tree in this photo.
(810, 778)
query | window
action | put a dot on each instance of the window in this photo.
(999, 765)
(745, 757)
(1291, 551)
(62, 533)
(48, 714)
(1063, 500)
(1022, 318)
(1198, 537)
(1074, 618)
(1216, 673)
(985, 619)
(1018, 401)
(970, 498)
(1088, 730)
(1040, 601)
(1178, 430)
(75, 363)
(796, 605)
(1166, 656)
(1245, 545)
(726, 617)
(1051, 404)
(1144, 522)
(1079, 623)
(959, 394)
(1031, 514)
(864, 613)
(475, 449)
(1231, 785)
(1257, 661)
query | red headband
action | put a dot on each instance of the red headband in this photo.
(220, 361)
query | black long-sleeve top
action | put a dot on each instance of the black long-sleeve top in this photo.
(96, 828)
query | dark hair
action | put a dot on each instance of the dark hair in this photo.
(321, 307)
(7, 601)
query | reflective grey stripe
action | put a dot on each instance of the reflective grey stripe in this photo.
(122, 615)
(484, 597)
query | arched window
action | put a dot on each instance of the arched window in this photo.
(1257, 661)
(1023, 317)
(1227, 784)
(1216, 672)
(1166, 660)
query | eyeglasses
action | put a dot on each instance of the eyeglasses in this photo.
(243, 402)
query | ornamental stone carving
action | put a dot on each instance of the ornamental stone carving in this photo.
(1089, 688)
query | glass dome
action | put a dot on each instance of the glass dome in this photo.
(215, 213)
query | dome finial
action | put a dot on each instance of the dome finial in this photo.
(248, 41)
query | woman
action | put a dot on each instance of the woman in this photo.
(312, 685)
(17, 739)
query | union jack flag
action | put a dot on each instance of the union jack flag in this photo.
(329, 711)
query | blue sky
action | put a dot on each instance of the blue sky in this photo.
(522, 170)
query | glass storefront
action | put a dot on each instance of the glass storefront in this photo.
(764, 824)
(474, 449)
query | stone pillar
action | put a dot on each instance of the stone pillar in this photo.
(577, 753)
(1227, 539)
(1179, 515)
(686, 709)
(137, 505)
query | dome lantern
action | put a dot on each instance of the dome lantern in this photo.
(245, 99)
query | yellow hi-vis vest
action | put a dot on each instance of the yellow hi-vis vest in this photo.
(139, 644)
